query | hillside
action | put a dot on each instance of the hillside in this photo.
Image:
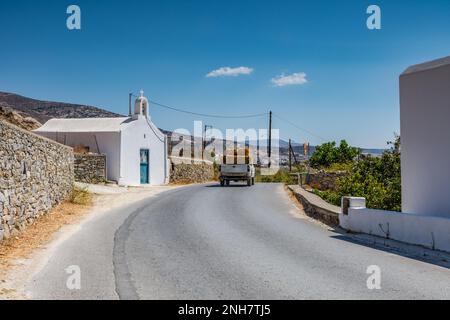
(18, 119)
(45, 110)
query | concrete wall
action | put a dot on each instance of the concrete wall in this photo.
(98, 142)
(35, 174)
(431, 232)
(90, 168)
(425, 135)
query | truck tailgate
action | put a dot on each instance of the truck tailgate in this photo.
(234, 169)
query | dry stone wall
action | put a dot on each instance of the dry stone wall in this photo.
(324, 180)
(90, 168)
(191, 173)
(35, 174)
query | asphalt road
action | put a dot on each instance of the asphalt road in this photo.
(208, 242)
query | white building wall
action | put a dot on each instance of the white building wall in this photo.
(135, 136)
(424, 230)
(425, 159)
(425, 139)
(98, 142)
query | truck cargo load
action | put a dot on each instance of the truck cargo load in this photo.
(237, 165)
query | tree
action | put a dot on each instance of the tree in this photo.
(376, 179)
(327, 154)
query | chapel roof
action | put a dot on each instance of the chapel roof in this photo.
(84, 125)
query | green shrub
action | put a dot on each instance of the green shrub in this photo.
(329, 196)
(216, 171)
(282, 176)
(377, 179)
(339, 167)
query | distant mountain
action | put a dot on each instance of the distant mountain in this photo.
(45, 110)
(285, 144)
(282, 143)
(373, 151)
(298, 148)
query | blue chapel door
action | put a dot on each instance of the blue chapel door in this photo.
(145, 166)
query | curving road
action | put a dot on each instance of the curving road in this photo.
(207, 242)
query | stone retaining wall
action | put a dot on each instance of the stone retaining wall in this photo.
(324, 180)
(316, 207)
(90, 168)
(35, 174)
(191, 173)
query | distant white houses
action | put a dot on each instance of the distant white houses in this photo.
(135, 149)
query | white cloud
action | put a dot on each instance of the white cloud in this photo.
(289, 80)
(229, 72)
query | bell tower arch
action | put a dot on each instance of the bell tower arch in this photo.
(141, 106)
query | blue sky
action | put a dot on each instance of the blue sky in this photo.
(168, 47)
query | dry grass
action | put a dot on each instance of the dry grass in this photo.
(40, 232)
(80, 196)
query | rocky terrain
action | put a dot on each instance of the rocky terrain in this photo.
(19, 119)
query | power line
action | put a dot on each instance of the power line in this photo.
(209, 115)
(298, 127)
(234, 117)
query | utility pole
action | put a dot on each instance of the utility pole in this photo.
(130, 97)
(258, 162)
(290, 156)
(204, 140)
(291, 152)
(270, 139)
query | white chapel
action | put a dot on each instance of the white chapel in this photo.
(135, 149)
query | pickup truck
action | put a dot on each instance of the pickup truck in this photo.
(237, 172)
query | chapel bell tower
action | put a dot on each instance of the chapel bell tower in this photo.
(141, 106)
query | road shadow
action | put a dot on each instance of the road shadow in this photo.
(230, 186)
(415, 252)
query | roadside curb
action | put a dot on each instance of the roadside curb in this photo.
(315, 207)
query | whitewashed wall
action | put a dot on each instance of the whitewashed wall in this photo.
(98, 142)
(136, 136)
(424, 230)
(425, 137)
